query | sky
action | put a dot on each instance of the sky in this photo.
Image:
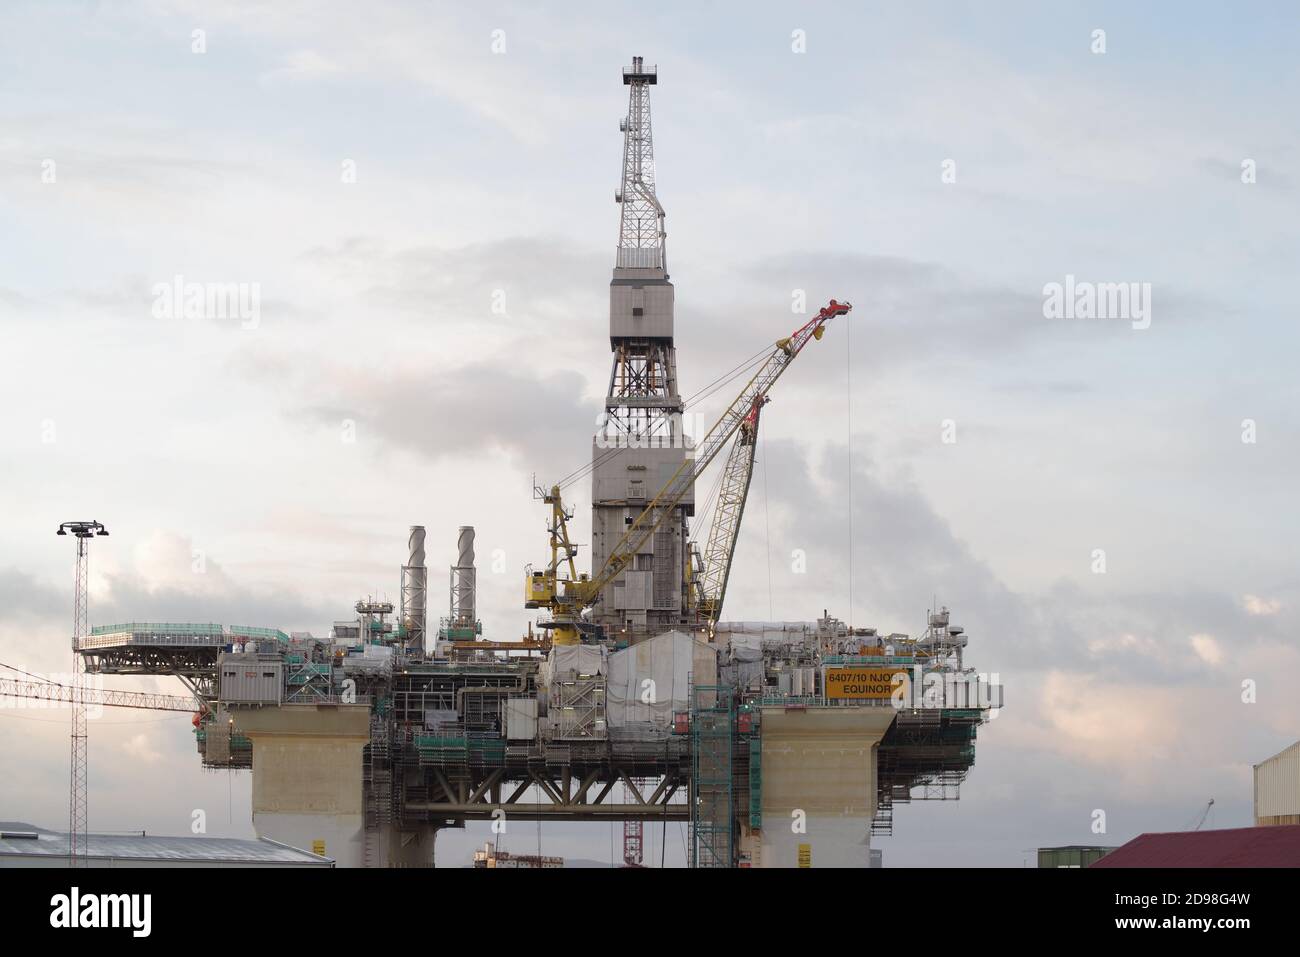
(421, 197)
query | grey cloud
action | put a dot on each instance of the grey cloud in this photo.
(908, 314)
(138, 167)
(539, 420)
(542, 278)
(523, 397)
(132, 298)
(21, 594)
(905, 553)
(1058, 387)
(911, 314)
(11, 300)
(129, 599)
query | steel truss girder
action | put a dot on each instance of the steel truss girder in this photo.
(480, 799)
(642, 399)
(101, 697)
(737, 473)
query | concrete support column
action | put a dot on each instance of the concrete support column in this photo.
(307, 778)
(819, 785)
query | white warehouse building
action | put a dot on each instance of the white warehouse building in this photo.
(1277, 788)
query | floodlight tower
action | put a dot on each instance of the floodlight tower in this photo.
(78, 814)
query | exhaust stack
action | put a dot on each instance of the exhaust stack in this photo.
(463, 588)
(415, 590)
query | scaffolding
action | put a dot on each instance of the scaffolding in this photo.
(634, 833)
(924, 756)
(713, 726)
(377, 788)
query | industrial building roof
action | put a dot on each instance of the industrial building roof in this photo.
(1277, 846)
(1285, 750)
(26, 841)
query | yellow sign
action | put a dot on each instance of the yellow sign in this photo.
(805, 855)
(318, 847)
(864, 683)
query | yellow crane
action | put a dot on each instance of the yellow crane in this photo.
(566, 598)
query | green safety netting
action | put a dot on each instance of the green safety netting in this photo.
(206, 629)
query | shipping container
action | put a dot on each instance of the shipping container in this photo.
(1071, 856)
(250, 678)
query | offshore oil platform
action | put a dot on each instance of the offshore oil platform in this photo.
(783, 744)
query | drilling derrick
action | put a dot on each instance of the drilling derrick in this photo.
(640, 442)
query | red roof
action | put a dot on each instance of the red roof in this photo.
(1277, 846)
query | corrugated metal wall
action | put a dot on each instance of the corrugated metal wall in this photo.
(1277, 788)
(250, 679)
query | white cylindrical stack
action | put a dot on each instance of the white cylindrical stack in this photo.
(416, 545)
(415, 589)
(463, 584)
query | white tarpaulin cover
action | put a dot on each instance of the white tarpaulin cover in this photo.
(746, 647)
(669, 661)
(576, 659)
(763, 627)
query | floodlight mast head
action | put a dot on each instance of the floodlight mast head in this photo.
(82, 529)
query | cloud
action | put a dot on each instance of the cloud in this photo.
(22, 595)
(428, 48)
(492, 341)
(104, 164)
(1255, 605)
(521, 285)
(1207, 649)
(905, 554)
(463, 413)
(1124, 728)
(130, 599)
(140, 747)
(166, 580)
(547, 293)
(13, 301)
(303, 65)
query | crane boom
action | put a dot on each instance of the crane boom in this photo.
(724, 530)
(1204, 814)
(50, 691)
(542, 588)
